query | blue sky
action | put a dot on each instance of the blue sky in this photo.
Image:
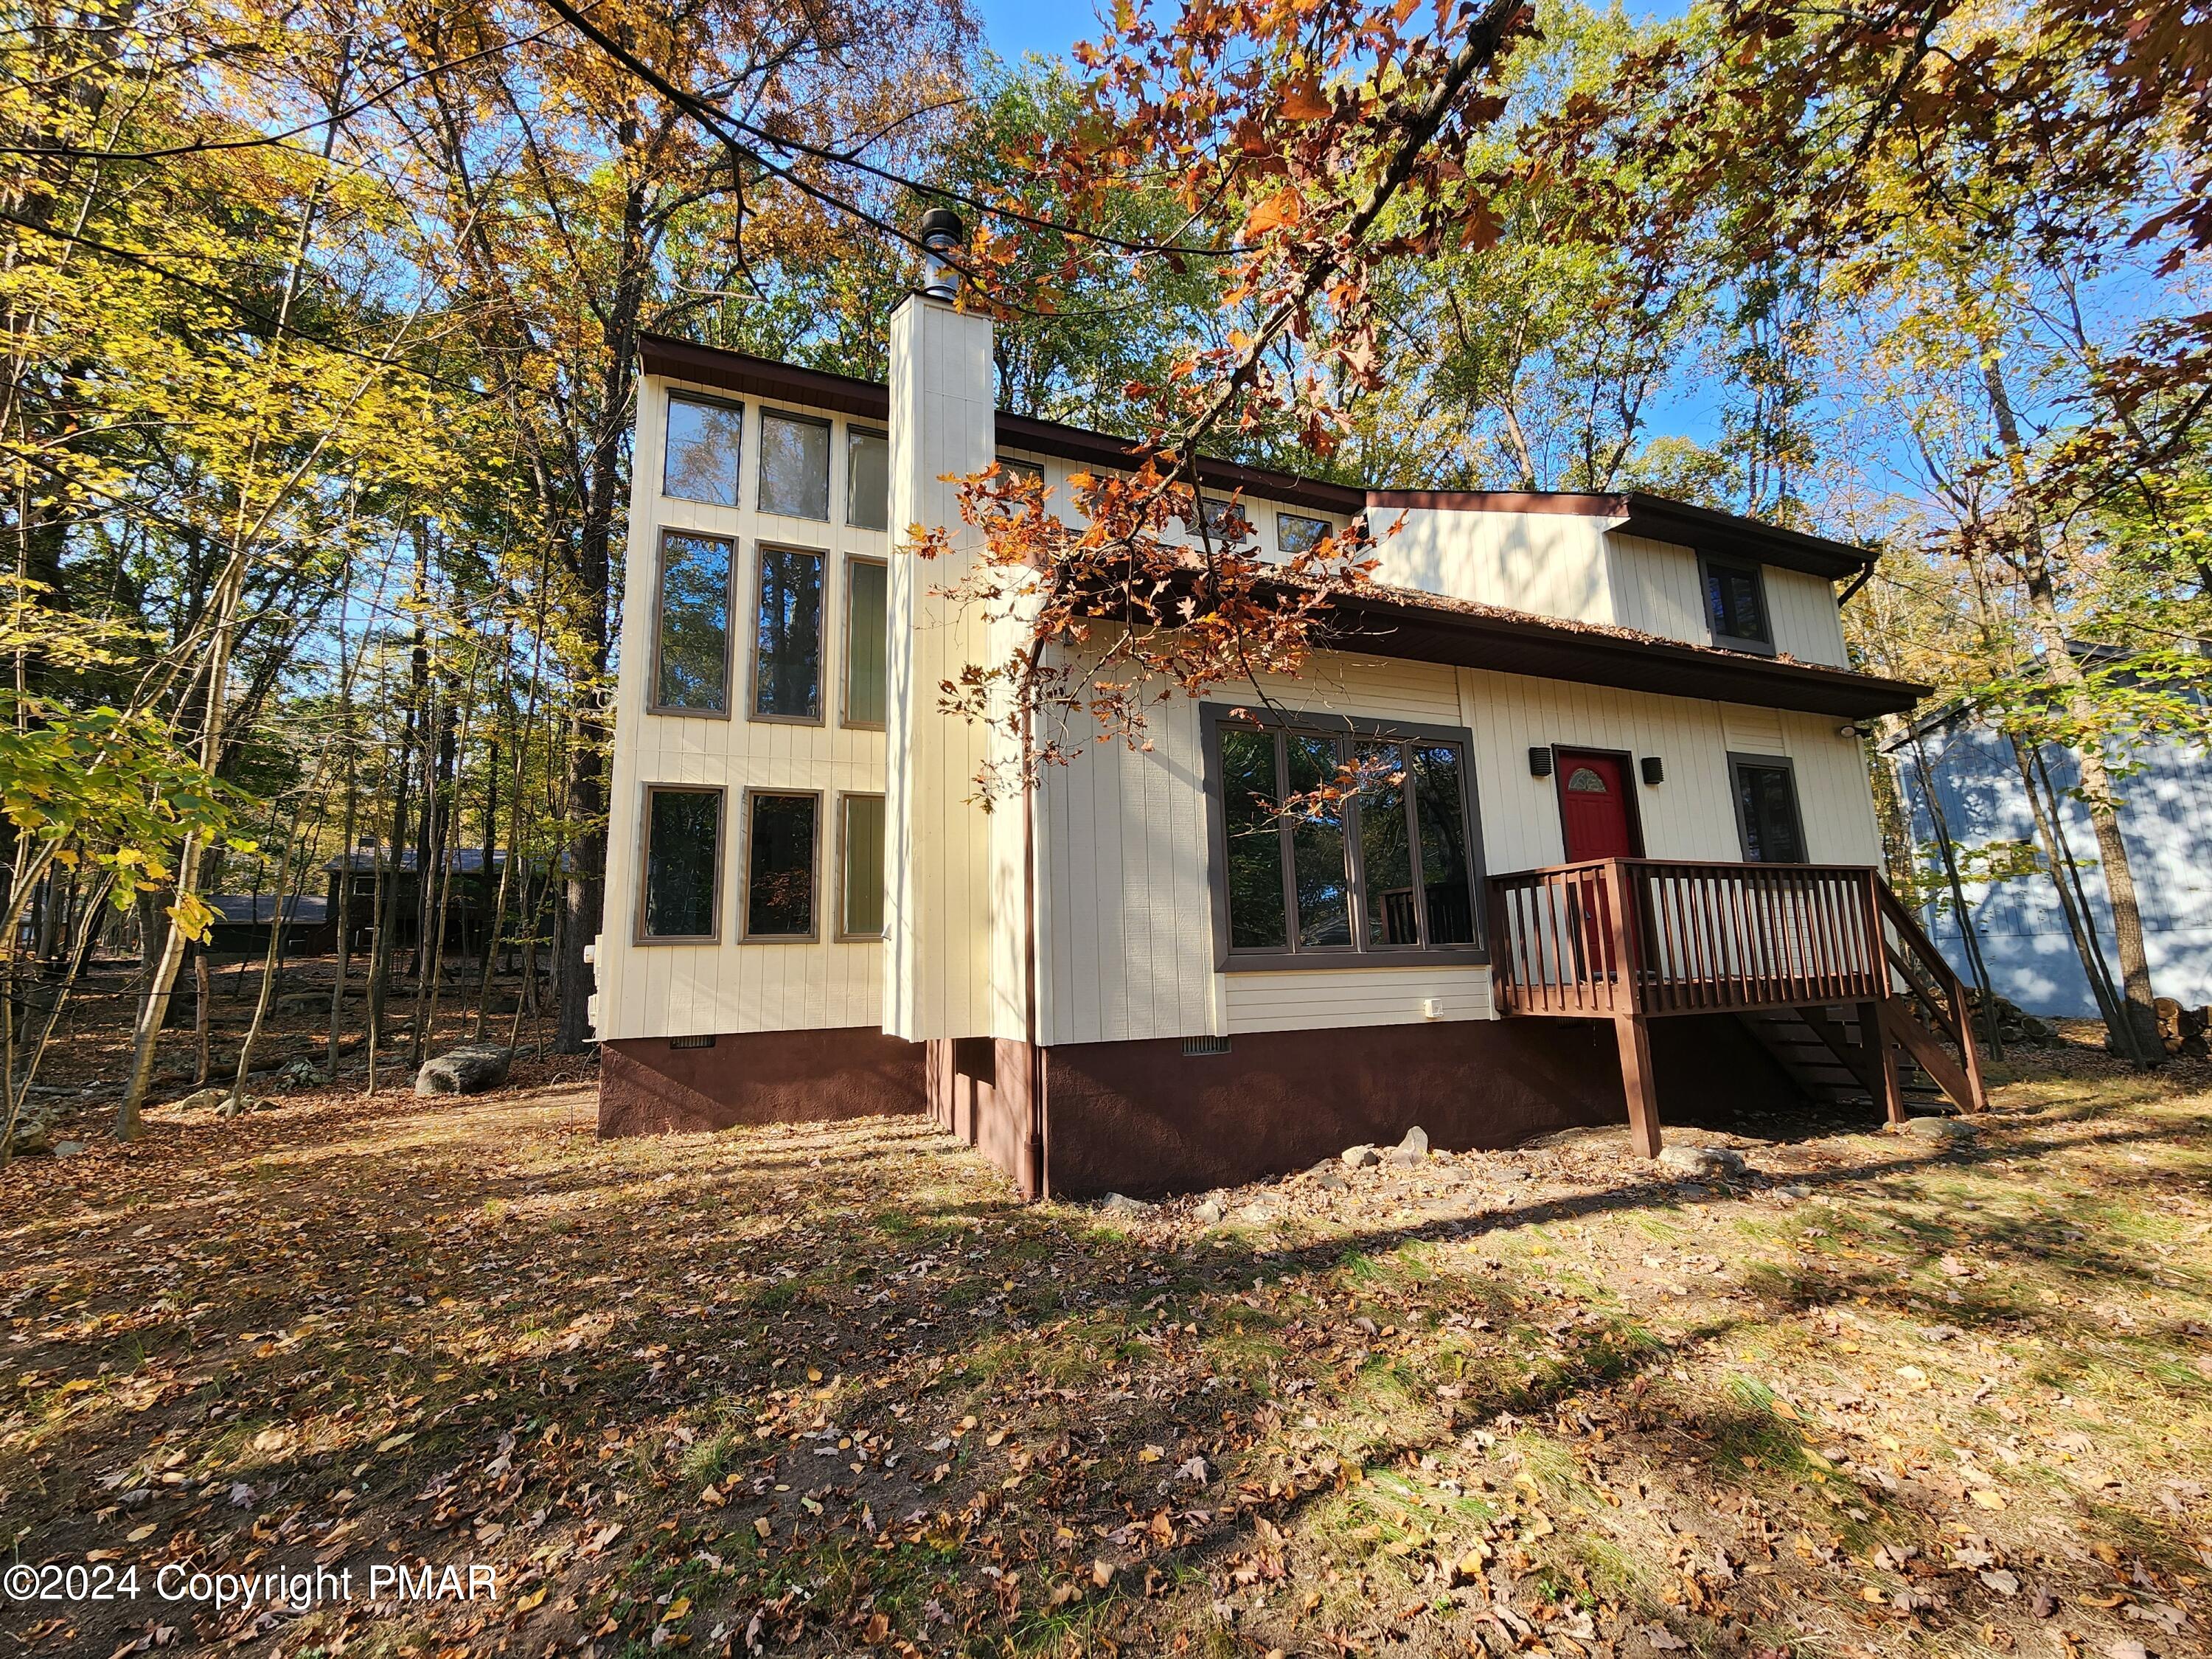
(1049, 27)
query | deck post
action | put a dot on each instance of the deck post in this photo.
(1875, 1036)
(1636, 1083)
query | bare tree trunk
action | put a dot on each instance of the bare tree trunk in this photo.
(2102, 802)
(201, 992)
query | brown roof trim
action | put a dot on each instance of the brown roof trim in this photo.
(1658, 517)
(1396, 622)
(764, 377)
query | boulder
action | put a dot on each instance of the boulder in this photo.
(1940, 1128)
(468, 1070)
(203, 1100)
(1359, 1157)
(1414, 1149)
(34, 1131)
(1120, 1204)
(1207, 1213)
(68, 1148)
(1710, 1161)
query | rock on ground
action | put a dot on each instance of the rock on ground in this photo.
(468, 1070)
(1703, 1160)
(1940, 1128)
(1359, 1157)
(1414, 1148)
(1121, 1204)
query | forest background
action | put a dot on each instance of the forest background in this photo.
(321, 356)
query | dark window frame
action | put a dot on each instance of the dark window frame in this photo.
(1707, 564)
(1213, 719)
(830, 461)
(745, 935)
(844, 935)
(845, 636)
(1328, 528)
(733, 405)
(855, 430)
(821, 715)
(1628, 776)
(1781, 763)
(721, 795)
(654, 705)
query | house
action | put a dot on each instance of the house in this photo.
(242, 924)
(1961, 782)
(471, 890)
(1631, 834)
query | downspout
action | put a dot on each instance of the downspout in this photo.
(1865, 575)
(1035, 1057)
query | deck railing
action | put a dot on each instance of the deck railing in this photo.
(1653, 937)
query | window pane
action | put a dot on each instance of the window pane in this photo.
(780, 873)
(694, 645)
(867, 641)
(788, 647)
(1016, 467)
(682, 843)
(1441, 795)
(864, 864)
(867, 479)
(1295, 533)
(1386, 852)
(1768, 801)
(1318, 847)
(700, 462)
(1226, 524)
(1732, 596)
(1249, 793)
(794, 467)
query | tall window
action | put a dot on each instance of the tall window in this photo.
(1386, 866)
(683, 864)
(1767, 809)
(1296, 533)
(691, 634)
(699, 461)
(867, 641)
(787, 636)
(860, 843)
(779, 865)
(867, 478)
(794, 467)
(1735, 606)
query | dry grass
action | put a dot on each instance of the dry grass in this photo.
(829, 1387)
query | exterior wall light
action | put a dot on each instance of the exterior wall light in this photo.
(1655, 769)
(1539, 762)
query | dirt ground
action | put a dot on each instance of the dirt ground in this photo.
(829, 1389)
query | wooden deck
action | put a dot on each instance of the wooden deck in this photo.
(1632, 940)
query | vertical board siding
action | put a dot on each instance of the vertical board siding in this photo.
(1807, 622)
(1656, 587)
(1552, 563)
(698, 990)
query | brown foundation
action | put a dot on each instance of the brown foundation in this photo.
(647, 1087)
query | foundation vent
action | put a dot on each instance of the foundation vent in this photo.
(1206, 1045)
(691, 1042)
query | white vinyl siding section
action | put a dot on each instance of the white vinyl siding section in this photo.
(1807, 620)
(703, 990)
(1551, 563)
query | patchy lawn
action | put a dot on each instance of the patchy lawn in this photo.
(828, 1387)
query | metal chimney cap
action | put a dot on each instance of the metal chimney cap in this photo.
(942, 225)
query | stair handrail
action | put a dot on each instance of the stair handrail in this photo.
(1919, 958)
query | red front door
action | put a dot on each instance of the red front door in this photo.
(1593, 807)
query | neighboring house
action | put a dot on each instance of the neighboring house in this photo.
(242, 923)
(472, 892)
(2166, 819)
(1136, 978)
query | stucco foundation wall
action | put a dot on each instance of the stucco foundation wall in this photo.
(1145, 1118)
(646, 1087)
(979, 1091)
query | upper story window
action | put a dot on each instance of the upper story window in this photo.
(795, 465)
(1225, 521)
(787, 636)
(1295, 533)
(867, 641)
(1735, 606)
(691, 624)
(699, 461)
(1028, 471)
(1385, 873)
(867, 479)
(682, 883)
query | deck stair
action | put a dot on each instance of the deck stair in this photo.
(1830, 1077)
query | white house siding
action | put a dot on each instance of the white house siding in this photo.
(1807, 622)
(1552, 563)
(1126, 937)
(686, 990)
(1656, 587)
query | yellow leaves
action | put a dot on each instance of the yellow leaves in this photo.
(761, 1527)
(1986, 1498)
(677, 1609)
(536, 1598)
(1152, 1454)
(394, 1441)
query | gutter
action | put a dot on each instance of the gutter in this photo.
(1865, 575)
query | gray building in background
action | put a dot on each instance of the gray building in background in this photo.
(2165, 818)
